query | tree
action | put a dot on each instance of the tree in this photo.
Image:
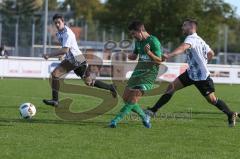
(84, 9)
(53, 5)
(23, 7)
(18, 12)
(164, 18)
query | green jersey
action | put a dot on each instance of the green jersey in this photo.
(146, 71)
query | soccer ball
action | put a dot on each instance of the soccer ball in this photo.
(27, 110)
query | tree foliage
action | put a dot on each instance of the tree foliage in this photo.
(164, 18)
(20, 7)
(85, 9)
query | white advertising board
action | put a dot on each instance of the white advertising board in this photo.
(39, 68)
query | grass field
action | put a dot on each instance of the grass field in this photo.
(187, 127)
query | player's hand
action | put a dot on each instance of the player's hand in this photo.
(147, 48)
(45, 56)
(60, 58)
(165, 56)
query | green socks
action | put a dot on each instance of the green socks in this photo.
(128, 107)
(137, 109)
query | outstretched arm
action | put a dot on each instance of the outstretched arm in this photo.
(57, 53)
(179, 50)
(210, 55)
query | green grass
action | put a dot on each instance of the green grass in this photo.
(202, 135)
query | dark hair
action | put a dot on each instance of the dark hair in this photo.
(192, 21)
(136, 26)
(58, 16)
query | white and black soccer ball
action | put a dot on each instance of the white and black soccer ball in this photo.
(27, 110)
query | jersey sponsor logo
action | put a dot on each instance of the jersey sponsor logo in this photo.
(144, 58)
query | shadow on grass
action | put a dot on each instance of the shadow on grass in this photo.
(7, 125)
(50, 121)
(8, 107)
(133, 118)
(10, 122)
(207, 113)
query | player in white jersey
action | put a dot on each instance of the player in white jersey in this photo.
(73, 60)
(198, 54)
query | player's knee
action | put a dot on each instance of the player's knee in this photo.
(54, 75)
(125, 99)
(130, 100)
(88, 81)
(170, 89)
(134, 98)
(125, 95)
(212, 100)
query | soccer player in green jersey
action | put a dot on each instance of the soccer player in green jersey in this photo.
(148, 49)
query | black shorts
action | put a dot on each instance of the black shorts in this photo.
(205, 86)
(80, 69)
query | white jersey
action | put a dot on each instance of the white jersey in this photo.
(197, 57)
(67, 39)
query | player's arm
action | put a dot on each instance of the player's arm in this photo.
(132, 56)
(152, 55)
(66, 44)
(210, 52)
(210, 55)
(57, 53)
(179, 50)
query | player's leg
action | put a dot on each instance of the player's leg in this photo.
(84, 73)
(207, 89)
(126, 109)
(129, 100)
(220, 104)
(165, 98)
(145, 119)
(63, 68)
(180, 82)
(131, 97)
(103, 85)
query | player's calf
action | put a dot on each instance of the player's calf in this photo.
(221, 105)
(99, 84)
(232, 119)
